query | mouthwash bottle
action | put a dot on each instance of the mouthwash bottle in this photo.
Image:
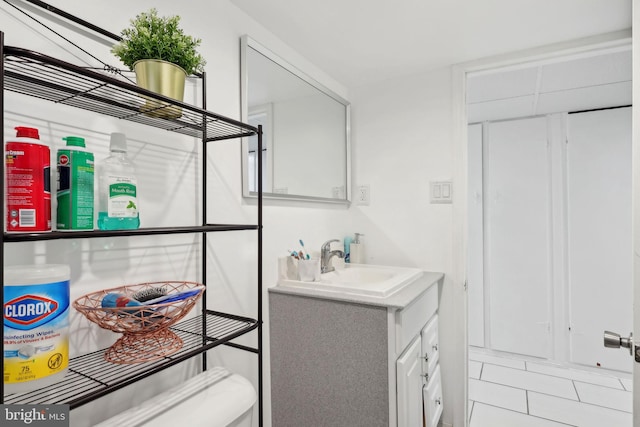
(117, 189)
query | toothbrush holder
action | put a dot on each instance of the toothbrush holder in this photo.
(287, 268)
(309, 270)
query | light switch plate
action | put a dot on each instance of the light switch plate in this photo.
(441, 191)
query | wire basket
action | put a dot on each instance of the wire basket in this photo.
(145, 328)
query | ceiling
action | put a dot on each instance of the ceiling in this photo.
(359, 42)
(596, 80)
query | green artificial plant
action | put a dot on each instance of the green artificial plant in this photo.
(153, 37)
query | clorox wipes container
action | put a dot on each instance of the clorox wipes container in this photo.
(36, 326)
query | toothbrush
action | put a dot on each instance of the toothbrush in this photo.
(114, 300)
(302, 244)
(174, 297)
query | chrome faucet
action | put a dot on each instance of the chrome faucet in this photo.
(326, 254)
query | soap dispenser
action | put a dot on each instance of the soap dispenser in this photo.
(357, 250)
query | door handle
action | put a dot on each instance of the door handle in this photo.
(613, 340)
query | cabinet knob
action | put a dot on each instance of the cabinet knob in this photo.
(426, 357)
(435, 347)
(426, 377)
(439, 401)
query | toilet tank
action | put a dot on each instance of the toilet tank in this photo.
(214, 398)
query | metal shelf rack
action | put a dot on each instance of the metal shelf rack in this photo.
(90, 377)
(37, 75)
(59, 235)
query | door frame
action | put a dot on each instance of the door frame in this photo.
(459, 72)
(635, 190)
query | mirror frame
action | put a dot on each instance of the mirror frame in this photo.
(246, 43)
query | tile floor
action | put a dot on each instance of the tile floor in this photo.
(506, 390)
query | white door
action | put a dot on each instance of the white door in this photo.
(598, 170)
(409, 385)
(433, 399)
(635, 215)
(430, 345)
(517, 223)
(475, 280)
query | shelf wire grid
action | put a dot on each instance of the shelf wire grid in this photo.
(82, 234)
(89, 375)
(34, 74)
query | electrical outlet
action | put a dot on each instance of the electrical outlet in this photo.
(338, 192)
(363, 195)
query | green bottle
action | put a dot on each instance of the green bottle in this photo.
(75, 171)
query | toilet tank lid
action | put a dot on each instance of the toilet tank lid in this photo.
(214, 398)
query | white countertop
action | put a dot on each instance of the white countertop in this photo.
(397, 300)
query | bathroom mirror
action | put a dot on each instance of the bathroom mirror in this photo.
(306, 150)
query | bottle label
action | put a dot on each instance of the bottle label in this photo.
(122, 197)
(36, 342)
(28, 187)
(75, 190)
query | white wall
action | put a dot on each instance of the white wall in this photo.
(402, 140)
(231, 283)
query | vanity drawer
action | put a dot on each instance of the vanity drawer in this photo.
(430, 348)
(432, 394)
(411, 319)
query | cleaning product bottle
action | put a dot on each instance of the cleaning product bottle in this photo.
(347, 249)
(75, 186)
(357, 250)
(36, 326)
(117, 189)
(28, 182)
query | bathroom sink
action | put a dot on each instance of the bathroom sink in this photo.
(362, 279)
(353, 275)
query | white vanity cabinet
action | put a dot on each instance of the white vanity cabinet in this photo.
(409, 385)
(418, 380)
(350, 360)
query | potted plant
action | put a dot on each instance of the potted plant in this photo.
(162, 56)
